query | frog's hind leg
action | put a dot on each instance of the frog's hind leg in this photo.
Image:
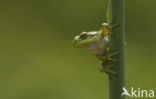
(107, 69)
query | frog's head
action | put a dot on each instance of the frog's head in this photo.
(84, 39)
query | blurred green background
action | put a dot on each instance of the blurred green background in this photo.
(37, 58)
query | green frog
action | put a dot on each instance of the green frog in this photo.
(98, 43)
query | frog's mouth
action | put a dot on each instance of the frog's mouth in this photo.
(83, 43)
(80, 44)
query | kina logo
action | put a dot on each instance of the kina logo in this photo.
(138, 93)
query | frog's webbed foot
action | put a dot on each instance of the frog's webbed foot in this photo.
(107, 69)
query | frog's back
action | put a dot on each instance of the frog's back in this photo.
(93, 33)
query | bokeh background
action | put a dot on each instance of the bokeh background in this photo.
(38, 60)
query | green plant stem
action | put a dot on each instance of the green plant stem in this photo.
(117, 45)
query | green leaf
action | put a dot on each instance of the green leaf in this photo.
(109, 13)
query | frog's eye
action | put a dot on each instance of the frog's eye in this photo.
(83, 36)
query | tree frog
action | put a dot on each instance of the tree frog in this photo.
(98, 43)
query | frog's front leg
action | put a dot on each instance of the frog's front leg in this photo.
(108, 57)
(111, 55)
